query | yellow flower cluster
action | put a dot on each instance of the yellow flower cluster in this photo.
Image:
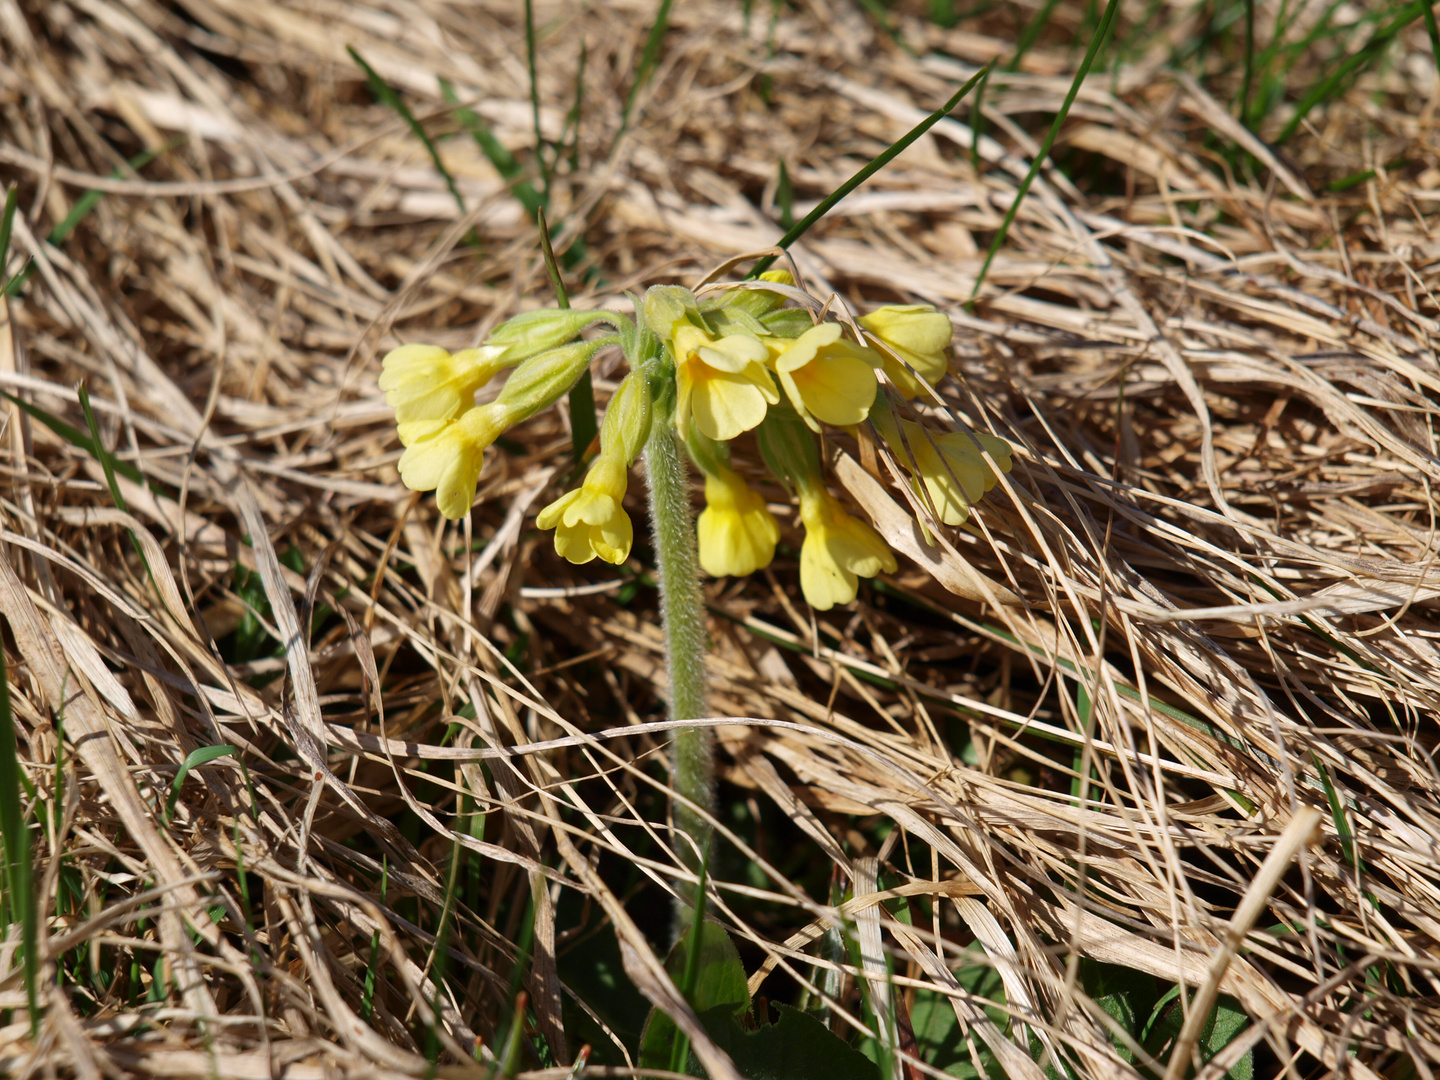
(733, 360)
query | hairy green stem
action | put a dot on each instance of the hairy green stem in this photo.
(683, 617)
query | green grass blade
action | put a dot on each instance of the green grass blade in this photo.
(884, 158)
(83, 205)
(16, 837)
(649, 60)
(107, 465)
(535, 99)
(1249, 78)
(202, 756)
(372, 971)
(785, 196)
(1433, 31)
(7, 222)
(385, 94)
(1031, 34)
(1096, 43)
(1336, 81)
(504, 161)
(74, 436)
(583, 427)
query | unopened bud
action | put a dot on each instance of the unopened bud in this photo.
(544, 379)
(535, 332)
(665, 306)
(627, 419)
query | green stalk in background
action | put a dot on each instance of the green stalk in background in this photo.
(1096, 43)
(881, 160)
(16, 835)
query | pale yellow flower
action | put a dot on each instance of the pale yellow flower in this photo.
(426, 382)
(839, 549)
(721, 383)
(589, 520)
(916, 334)
(828, 378)
(951, 467)
(447, 457)
(737, 533)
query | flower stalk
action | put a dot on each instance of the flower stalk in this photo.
(683, 619)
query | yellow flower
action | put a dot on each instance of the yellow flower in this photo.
(916, 334)
(590, 521)
(446, 456)
(737, 533)
(827, 378)
(954, 473)
(425, 382)
(722, 383)
(839, 550)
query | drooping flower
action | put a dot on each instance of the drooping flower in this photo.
(950, 466)
(591, 520)
(916, 334)
(829, 379)
(839, 549)
(446, 453)
(446, 457)
(426, 382)
(737, 533)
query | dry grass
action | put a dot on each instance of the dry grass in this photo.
(1222, 381)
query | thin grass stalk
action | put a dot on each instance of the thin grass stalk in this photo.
(881, 160)
(649, 59)
(1096, 43)
(535, 101)
(16, 836)
(583, 426)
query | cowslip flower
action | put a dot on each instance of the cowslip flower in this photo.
(829, 379)
(426, 382)
(446, 455)
(915, 335)
(591, 521)
(839, 549)
(737, 533)
(720, 383)
(950, 466)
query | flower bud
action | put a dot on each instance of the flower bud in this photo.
(666, 305)
(753, 299)
(544, 379)
(627, 419)
(535, 332)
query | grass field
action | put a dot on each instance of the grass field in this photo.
(1131, 775)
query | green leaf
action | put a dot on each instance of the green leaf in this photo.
(1125, 994)
(1225, 1022)
(197, 758)
(796, 1047)
(74, 436)
(720, 986)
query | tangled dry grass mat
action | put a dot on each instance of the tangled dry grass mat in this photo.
(1216, 363)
